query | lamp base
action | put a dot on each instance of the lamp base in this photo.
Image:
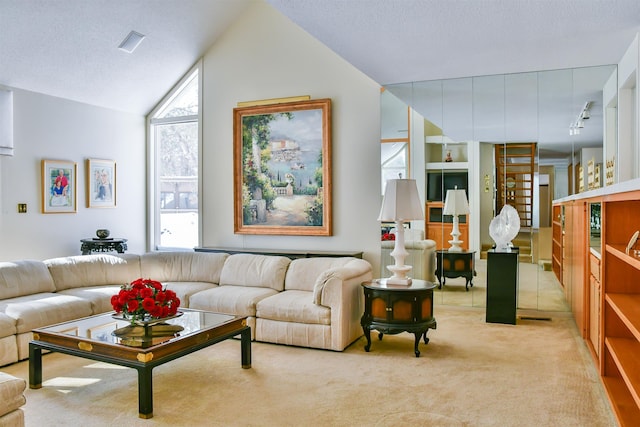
(399, 275)
(455, 246)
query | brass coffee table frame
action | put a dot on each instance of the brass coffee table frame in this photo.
(141, 359)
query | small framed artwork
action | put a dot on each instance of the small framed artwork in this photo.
(101, 183)
(282, 168)
(59, 186)
(102, 332)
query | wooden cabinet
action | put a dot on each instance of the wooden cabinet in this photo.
(557, 241)
(438, 226)
(392, 309)
(602, 285)
(619, 365)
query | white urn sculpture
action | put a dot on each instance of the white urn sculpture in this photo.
(504, 228)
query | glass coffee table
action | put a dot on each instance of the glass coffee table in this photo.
(93, 338)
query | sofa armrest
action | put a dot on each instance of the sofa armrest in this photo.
(352, 270)
(340, 289)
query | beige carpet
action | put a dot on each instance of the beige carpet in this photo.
(536, 373)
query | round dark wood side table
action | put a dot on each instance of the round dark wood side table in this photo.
(391, 309)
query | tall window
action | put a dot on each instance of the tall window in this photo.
(174, 136)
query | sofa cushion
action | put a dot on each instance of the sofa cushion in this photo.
(19, 278)
(260, 271)
(11, 393)
(98, 296)
(293, 306)
(93, 270)
(303, 272)
(7, 325)
(185, 290)
(8, 351)
(236, 300)
(38, 310)
(182, 266)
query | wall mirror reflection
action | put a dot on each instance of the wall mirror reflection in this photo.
(521, 139)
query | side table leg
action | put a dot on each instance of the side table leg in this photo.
(35, 366)
(367, 335)
(145, 392)
(245, 345)
(417, 341)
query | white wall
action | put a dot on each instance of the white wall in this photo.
(46, 127)
(264, 56)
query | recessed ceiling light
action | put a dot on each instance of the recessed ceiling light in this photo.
(131, 42)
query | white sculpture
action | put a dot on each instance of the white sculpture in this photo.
(504, 228)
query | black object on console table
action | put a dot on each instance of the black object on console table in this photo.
(292, 254)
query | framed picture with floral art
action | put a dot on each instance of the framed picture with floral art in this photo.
(101, 183)
(282, 168)
(59, 186)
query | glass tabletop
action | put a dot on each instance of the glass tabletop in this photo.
(108, 328)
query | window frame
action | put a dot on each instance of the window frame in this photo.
(153, 180)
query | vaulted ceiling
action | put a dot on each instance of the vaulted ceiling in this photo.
(68, 48)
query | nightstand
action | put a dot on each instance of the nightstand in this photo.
(455, 264)
(391, 309)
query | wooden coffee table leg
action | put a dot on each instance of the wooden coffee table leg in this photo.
(145, 392)
(35, 366)
(245, 343)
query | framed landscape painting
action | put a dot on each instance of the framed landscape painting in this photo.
(101, 183)
(59, 186)
(282, 168)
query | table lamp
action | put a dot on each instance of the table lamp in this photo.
(401, 203)
(455, 204)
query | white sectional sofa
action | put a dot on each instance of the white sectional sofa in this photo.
(310, 302)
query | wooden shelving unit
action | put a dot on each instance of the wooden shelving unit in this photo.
(515, 167)
(619, 364)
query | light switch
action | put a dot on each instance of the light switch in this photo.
(22, 208)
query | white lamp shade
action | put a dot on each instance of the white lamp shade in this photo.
(456, 203)
(401, 201)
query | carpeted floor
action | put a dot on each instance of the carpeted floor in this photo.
(536, 373)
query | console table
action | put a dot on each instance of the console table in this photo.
(391, 309)
(293, 254)
(103, 245)
(455, 264)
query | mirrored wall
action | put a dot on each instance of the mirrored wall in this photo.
(520, 139)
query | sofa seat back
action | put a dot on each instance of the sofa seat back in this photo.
(21, 278)
(82, 271)
(304, 272)
(259, 271)
(182, 266)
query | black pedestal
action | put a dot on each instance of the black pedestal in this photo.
(502, 286)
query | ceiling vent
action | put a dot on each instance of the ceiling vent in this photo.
(131, 42)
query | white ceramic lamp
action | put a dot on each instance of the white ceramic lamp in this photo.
(456, 204)
(401, 203)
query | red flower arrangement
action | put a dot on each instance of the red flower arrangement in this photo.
(389, 236)
(145, 299)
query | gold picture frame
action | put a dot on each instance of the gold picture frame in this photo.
(59, 186)
(101, 183)
(282, 168)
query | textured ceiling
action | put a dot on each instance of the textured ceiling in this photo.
(397, 41)
(69, 48)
